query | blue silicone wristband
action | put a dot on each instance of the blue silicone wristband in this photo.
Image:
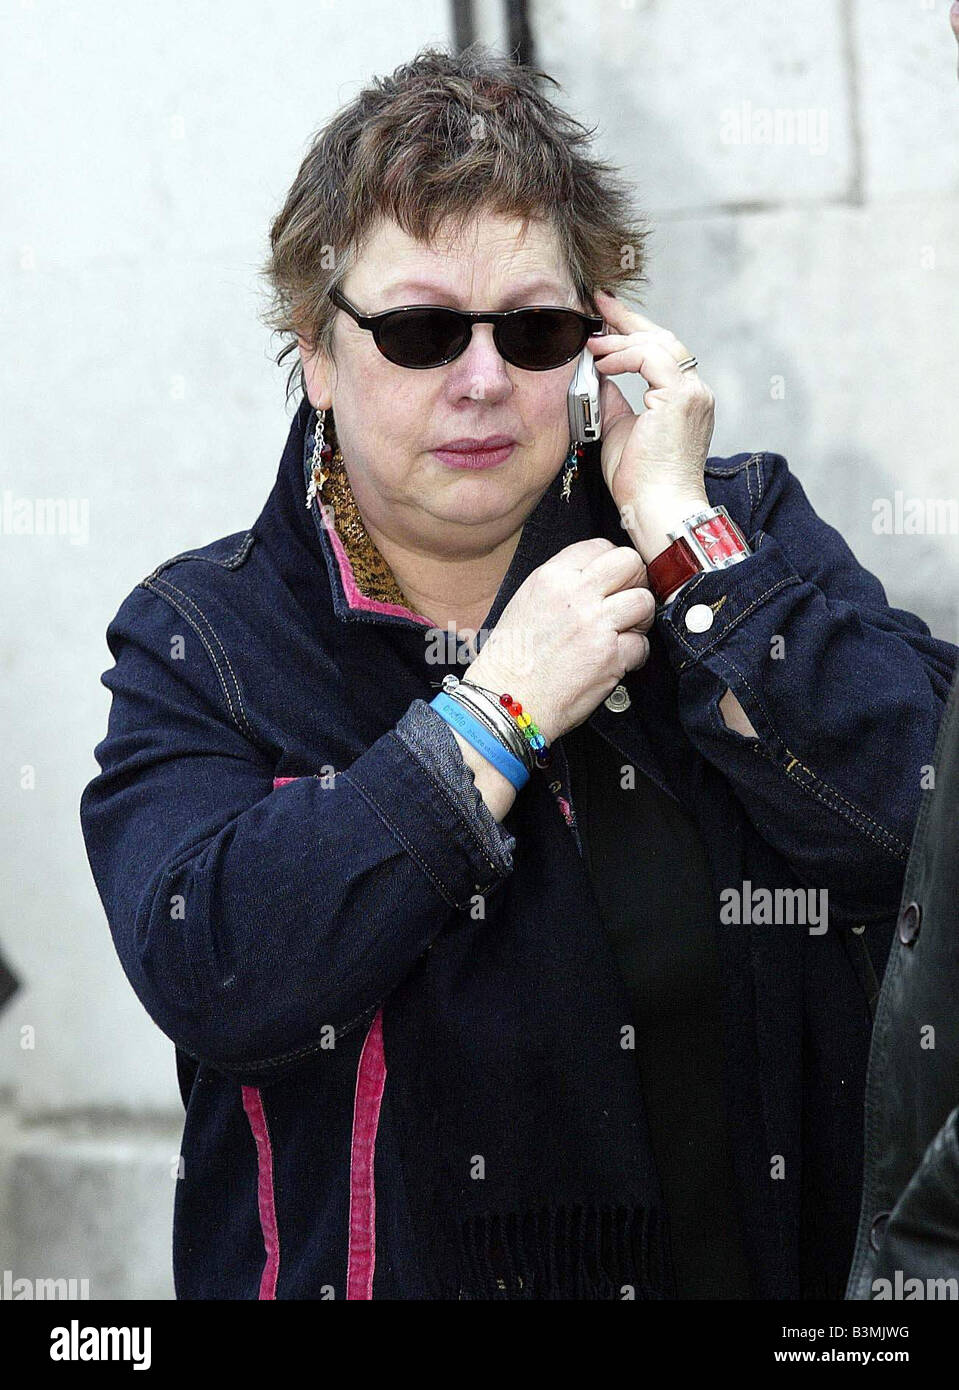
(477, 734)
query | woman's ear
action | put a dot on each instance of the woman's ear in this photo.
(316, 370)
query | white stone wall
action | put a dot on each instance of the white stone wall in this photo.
(800, 165)
(145, 148)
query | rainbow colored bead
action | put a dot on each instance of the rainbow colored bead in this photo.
(531, 733)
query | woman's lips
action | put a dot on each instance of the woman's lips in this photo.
(475, 458)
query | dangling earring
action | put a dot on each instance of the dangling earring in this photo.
(322, 453)
(571, 467)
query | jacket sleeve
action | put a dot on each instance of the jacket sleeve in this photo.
(255, 923)
(428, 736)
(845, 694)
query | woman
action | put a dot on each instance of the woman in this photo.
(468, 1006)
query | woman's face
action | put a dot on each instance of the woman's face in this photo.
(390, 419)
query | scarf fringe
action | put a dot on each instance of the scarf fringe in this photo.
(577, 1252)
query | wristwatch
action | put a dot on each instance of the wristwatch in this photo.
(707, 540)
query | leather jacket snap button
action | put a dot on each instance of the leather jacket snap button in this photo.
(909, 922)
(877, 1230)
(618, 700)
(699, 618)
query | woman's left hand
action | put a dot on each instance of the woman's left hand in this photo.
(652, 463)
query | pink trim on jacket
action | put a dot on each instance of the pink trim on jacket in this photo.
(354, 597)
(266, 1199)
(370, 1081)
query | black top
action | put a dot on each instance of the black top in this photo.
(650, 874)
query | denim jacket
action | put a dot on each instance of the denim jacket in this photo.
(282, 827)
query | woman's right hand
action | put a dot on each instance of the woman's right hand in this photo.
(568, 635)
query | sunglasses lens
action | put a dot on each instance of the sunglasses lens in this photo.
(421, 337)
(538, 339)
(534, 339)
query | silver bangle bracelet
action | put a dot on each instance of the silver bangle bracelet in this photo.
(488, 710)
(481, 714)
(516, 733)
(493, 721)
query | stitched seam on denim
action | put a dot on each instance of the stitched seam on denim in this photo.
(212, 631)
(857, 810)
(855, 813)
(687, 589)
(454, 806)
(729, 472)
(856, 816)
(761, 474)
(749, 486)
(730, 622)
(232, 562)
(726, 661)
(411, 851)
(279, 1060)
(187, 599)
(149, 584)
(246, 545)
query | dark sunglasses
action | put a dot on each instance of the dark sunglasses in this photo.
(537, 338)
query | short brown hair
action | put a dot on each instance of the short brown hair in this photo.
(448, 135)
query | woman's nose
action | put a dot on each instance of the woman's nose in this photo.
(479, 367)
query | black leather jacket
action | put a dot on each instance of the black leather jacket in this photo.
(909, 1222)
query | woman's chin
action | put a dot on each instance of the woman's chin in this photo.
(490, 492)
(479, 498)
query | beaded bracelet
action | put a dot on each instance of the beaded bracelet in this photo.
(530, 731)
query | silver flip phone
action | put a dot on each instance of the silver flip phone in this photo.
(582, 402)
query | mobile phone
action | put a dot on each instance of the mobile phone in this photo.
(582, 402)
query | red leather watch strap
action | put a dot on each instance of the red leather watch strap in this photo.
(712, 541)
(671, 568)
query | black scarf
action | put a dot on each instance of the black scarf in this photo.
(519, 1114)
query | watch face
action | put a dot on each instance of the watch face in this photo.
(720, 540)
